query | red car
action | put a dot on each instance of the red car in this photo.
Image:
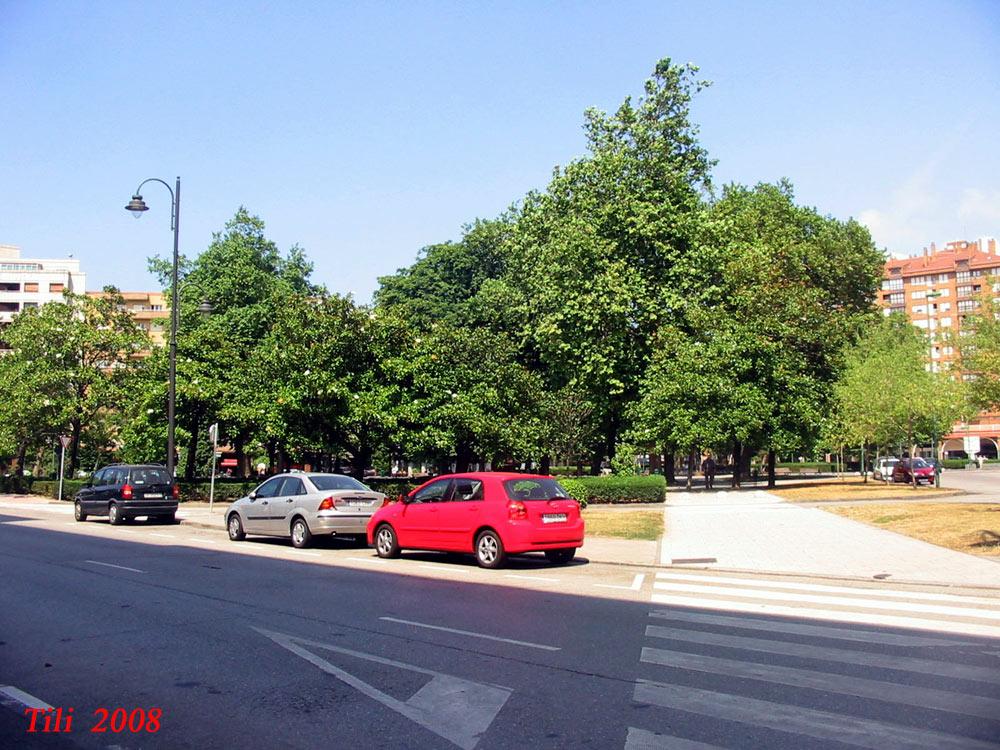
(921, 471)
(491, 515)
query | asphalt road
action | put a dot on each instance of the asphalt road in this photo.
(259, 646)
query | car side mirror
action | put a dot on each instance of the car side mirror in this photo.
(253, 495)
(403, 498)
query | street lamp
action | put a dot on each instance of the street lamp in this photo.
(137, 206)
(930, 335)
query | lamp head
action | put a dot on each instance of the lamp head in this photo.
(206, 308)
(137, 205)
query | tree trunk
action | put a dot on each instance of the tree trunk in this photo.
(546, 467)
(192, 447)
(18, 468)
(744, 466)
(669, 468)
(736, 463)
(864, 463)
(74, 450)
(360, 460)
(242, 459)
(771, 460)
(691, 459)
(596, 458)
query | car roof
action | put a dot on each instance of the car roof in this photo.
(501, 475)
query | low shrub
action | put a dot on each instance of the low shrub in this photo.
(603, 490)
(954, 463)
(809, 467)
(50, 487)
(14, 484)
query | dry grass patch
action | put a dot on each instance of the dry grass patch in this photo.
(855, 488)
(624, 524)
(966, 527)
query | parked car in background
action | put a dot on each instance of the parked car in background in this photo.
(883, 468)
(491, 515)
(913, 469)
(303, 505)
(123, 492)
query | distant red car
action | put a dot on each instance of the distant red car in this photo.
(921, 470)
(491, 515)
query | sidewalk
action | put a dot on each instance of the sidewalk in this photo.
(758, 532)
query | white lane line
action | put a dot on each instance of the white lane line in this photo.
(205, 541)
(859, 687)
(809, 722)
(835, 615)
(12, 696)
(531, 578)
(635, 586)
(816, 631)
(641, 739)
(162, 536)
(472, 634)
(818, 587)
(305, 552)
(376, 560)
(948, 669)
(112, 565)
(851, 601)
(445, 567)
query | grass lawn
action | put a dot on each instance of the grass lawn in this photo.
(965, 527)
(623, 523)
(855, 488)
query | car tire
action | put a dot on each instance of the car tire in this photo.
(489, 550)
(560, 556)
(386, 543)
(235, 528)
(115, 515)
(78, 513)
(301, 536)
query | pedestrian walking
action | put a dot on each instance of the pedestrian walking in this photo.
(708, 469)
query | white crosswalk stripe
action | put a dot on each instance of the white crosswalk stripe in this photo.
(755, 662)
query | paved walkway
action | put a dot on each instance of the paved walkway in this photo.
(759, 532)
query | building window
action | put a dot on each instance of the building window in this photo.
(9, 306)
(965, 291)
(890, 284)
(9, 286)
(20, 266)
(31, 286)
(944, 306)
(26, 305)
(945, 321)
(55, 288)
(967, 305)
(894, 299)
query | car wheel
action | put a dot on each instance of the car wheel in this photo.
(386, 544)
(489, 550)
(300, 534)
(235, 528)
(114, 515)
(78, 512)
(560, 556)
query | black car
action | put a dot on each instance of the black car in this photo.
(125, 491)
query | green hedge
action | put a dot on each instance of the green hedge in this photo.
(13, 484)
(954, 463)
(602, 490)
(50, 487)
(805, 466)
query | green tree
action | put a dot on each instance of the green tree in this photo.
(77, 359)
(886, 396)
(979, 348)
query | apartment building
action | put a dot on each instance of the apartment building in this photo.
(30, 282)
(936, 290)
(150, 311)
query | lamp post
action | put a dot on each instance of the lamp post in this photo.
(930, 335)
(137, 206)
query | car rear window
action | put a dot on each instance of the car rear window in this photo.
(534, 489)
(338, 483)
(150, 476)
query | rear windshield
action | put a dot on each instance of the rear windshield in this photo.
(534, 489)
(141, 477)
(338, 483)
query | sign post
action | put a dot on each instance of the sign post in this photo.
(64, 440)
(213, 434)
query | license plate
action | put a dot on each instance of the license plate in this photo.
(150, 495)
(553, 517)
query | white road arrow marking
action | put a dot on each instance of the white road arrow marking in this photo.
(456, 709)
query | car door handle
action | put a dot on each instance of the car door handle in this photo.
(288, 500)
(264, 503)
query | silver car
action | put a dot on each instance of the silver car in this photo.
(302, 505)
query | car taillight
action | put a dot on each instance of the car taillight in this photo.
(516, 510)
(327, 504)
(175, 492)
(126, 492)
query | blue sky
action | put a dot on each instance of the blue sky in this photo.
(362, 132)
